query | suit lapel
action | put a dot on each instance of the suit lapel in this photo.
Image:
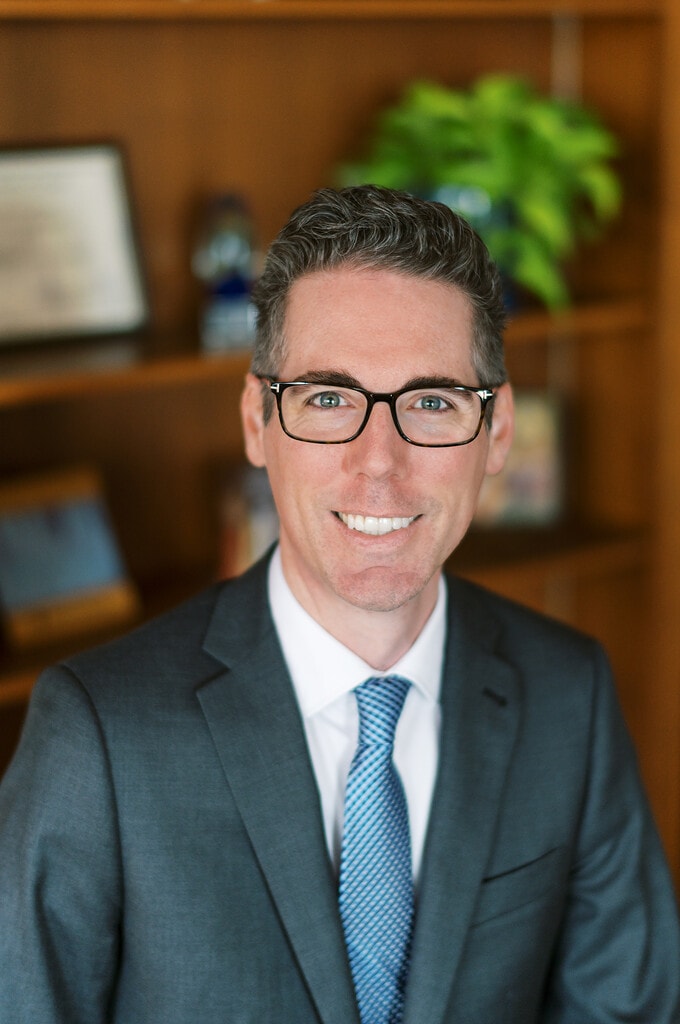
(480, 713)
(253, 717)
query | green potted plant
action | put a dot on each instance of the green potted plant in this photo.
(532, 173)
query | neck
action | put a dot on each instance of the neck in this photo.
(380, 638)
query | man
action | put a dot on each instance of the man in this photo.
(174, 840)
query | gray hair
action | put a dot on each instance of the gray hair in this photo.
(366, 226)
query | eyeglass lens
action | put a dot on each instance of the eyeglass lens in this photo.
(428, 416)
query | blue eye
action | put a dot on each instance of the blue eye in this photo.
(431, 403)
(328, 399)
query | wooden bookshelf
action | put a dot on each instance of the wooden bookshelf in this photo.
(264, 98)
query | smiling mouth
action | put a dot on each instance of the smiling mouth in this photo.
(376, 526)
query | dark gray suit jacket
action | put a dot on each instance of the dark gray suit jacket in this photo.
(162, 859)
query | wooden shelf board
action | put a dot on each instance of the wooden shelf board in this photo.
(72, 373)
(319, 9)
(590, 318)
(491, 556)
(15, 688)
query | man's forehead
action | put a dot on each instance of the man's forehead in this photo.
(353, 293)
(349, 317)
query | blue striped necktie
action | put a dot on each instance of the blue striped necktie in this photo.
(376, 882)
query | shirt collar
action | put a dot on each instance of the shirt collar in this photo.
(323, 669)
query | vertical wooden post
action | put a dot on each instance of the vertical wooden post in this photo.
(663, 681)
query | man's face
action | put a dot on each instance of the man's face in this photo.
(383, 329)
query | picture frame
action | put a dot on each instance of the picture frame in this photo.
(530, 491)
(70, 265)
(61, 571)
(248, 520)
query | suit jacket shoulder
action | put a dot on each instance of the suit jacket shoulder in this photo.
(172, 652)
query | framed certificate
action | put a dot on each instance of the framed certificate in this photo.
(69, 261)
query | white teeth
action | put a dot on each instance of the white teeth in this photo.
(375, 525)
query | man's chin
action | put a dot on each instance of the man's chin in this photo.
(381, 589)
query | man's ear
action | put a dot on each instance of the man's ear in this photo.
(252, 420)
(501, 431)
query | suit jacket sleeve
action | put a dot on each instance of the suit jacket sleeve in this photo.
(618, 957)
(60, 874)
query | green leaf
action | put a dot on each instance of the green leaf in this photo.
(602, 188)
(550, 222)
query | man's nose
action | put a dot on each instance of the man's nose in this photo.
(379, 449)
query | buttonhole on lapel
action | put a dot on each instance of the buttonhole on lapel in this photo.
(497, 697)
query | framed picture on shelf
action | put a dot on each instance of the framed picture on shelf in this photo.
(248, 520)
(61, 572)
(530, 490)
(69, 261)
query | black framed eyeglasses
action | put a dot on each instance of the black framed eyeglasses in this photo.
(431, 415)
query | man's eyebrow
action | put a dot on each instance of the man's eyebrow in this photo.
(436, 381)
(341, 378)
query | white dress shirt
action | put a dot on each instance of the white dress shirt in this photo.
(324, 673)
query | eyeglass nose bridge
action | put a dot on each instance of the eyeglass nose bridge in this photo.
(373, 397)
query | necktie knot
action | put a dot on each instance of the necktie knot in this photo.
(380, 702)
